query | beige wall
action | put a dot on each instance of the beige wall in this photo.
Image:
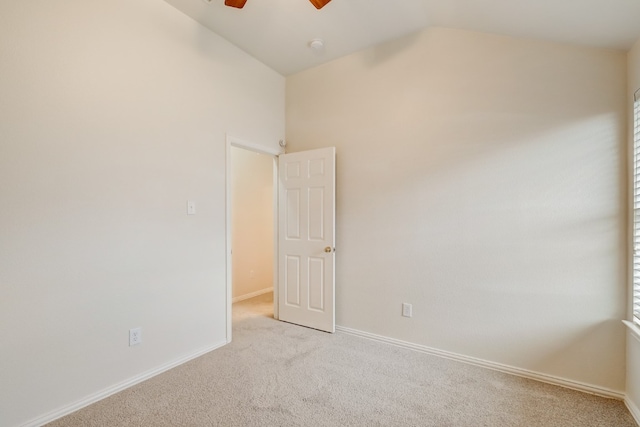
(252, 221)
(479, 178)
(633, 342)
(113, 115)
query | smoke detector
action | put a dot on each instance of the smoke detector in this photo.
(316, 44)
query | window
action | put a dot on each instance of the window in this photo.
(636, 211)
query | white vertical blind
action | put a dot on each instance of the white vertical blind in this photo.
(636, 212)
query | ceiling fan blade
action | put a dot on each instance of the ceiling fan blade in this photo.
(236, 3)
(319, 4)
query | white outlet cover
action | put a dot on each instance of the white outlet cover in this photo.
(135, 336)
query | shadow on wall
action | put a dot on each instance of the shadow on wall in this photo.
(540, 240)
(486, 203)
(386, 52)
(579, 351)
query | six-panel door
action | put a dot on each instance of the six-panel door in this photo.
(306, 199)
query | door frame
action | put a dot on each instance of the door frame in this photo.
(232, 141)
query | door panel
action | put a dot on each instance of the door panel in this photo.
(293, 214)
(307, 238)
(292, 281)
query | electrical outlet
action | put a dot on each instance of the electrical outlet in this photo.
(407, 310)
(135, 336)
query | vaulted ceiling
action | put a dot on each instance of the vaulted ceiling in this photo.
(278, 32)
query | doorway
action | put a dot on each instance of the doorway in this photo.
(303, 218)
(251, 231)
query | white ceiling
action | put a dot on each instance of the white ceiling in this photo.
(277, 32)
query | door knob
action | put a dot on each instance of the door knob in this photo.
(328, 249)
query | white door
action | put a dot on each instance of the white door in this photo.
(306, 228)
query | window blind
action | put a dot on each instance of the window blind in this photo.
(636, 212)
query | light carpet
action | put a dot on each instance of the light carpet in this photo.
(278, 374)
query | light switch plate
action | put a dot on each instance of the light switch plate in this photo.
(191, 207)
(407, 310)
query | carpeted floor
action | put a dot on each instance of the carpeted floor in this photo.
(278, 374)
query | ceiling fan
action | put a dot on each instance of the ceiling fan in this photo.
(319, 4)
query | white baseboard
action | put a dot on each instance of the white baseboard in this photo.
(93, 398)
(252, 294)
(550, 379)
(635, 412)
(525, 373)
